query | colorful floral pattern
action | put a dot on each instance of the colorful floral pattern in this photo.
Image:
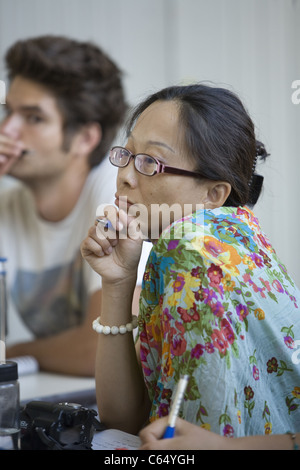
(217, 304)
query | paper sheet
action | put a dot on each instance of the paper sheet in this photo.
(114, 439)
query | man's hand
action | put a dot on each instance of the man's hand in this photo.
(10, 151)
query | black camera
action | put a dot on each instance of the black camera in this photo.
(60, 426)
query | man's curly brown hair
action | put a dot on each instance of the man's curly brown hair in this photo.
(85, 81)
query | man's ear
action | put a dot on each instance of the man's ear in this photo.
(87, 139)
(217, 193)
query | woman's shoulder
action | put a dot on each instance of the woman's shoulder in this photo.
(230, 225)
(227, 237)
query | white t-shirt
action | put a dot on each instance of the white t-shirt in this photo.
(48, 281)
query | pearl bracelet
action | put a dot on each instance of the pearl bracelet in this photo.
(114, 330)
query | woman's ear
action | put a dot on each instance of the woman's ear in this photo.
(87, 139)
(217, 193)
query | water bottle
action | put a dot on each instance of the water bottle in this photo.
(9, 406)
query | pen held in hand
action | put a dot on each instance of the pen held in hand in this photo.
(170, 430)
(107, 225)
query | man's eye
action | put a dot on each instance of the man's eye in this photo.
(34, 119)
(7, 111)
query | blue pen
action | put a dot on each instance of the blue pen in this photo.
(106, 223)
(170, 430)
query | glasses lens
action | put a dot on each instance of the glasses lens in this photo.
(145, 164)
(119, 156)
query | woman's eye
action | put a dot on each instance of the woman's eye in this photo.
(149, 161)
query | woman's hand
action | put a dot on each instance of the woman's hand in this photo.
(188, 436)
(114, 254)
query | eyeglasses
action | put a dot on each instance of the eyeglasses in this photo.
(144, 164)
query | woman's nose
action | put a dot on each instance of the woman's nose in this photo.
(128, 174)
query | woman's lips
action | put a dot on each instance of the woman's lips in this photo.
(122, 202)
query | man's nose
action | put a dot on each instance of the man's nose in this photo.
(12, 126)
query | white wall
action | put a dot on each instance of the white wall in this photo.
(249, 45)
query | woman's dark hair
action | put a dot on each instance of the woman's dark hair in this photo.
(219, 137)
(85, 81)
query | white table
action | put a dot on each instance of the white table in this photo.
(44, 386)
(56, 388)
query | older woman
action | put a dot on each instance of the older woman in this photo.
(217, 304)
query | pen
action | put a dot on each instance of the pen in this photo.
(170, 430)
(106, 223)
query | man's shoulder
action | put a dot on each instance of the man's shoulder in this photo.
(101, 182)
(15, 193)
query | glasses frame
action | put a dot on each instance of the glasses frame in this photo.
(160, 167)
